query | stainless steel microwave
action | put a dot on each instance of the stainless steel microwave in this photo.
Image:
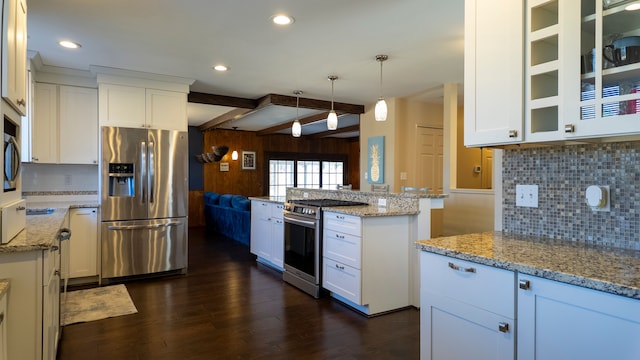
(11, 161)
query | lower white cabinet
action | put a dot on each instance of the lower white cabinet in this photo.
(33, 302)
(3, 327)
(563, 321)
(467, 310)
(83, 245)
(267, 233)
(366, 261)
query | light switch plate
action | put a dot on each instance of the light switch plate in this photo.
(527, 196)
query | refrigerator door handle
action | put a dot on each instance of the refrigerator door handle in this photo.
(138, 227)
(152, 171)
(143, 170)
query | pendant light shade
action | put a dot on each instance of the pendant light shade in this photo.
(332, 119)
(234, 154)
(296, 128)
(381, 106)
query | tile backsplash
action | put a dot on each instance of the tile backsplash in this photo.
(562, 174)
(59, 177)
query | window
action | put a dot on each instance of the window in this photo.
(303, 173)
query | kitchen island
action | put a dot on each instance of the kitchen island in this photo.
(543, 298)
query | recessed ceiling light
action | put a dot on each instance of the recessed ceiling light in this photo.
(220, 68)
(282, 19)
(632, 7)
(69, 44)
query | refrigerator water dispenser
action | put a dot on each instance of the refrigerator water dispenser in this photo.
(121, 180)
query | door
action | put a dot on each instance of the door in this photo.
(143, 247)
(168, 174)
(430, 158)
(124, 146)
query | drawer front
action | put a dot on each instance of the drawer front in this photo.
(347, 224)
(260, 209)
(341, 279)
(343, 248)
(479, 285)
(276, 210)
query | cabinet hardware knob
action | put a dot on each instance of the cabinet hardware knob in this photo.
(524, 284)
(503, 327)
(56, 273)
(55, 248)
(21, 102)
(569, 128)
(35, 158)
(1, 318)
(513, 133)
(463, 269)
(20, 208)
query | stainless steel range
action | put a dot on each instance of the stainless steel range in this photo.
(303, 242)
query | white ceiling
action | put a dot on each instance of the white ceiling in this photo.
(423, 38)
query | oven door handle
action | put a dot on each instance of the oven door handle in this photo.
(299, 222)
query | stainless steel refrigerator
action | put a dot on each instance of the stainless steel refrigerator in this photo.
(144, 202)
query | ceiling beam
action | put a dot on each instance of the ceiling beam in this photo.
(226, 117)
(221, 100)
(345, 129)
(306, 103)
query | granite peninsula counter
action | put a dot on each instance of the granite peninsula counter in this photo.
(611, 270)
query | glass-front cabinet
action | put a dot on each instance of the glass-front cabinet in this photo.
(582, 69)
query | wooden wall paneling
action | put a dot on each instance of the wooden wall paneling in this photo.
(196, 208)
(253, 182)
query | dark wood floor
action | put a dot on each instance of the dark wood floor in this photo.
(229, 307)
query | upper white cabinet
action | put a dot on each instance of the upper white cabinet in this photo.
(493, 72)
(64, 124)
(135, 103)
(14, 54)
(581, 71)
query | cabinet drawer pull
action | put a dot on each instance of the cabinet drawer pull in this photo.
(339, 267)
(1, 318)
(513, 133)
(503, 327)
(339, 217)
(524, 284)
(463, 269)
(569, 128)
(340, 236)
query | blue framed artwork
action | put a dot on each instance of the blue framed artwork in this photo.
(375, 160)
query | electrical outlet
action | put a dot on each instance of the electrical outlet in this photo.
(527, 196)
(403, 175)
(67, 179)
(305, 195)
(382, 202)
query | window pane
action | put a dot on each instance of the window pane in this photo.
(279, 177)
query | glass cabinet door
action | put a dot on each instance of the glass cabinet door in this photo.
(610, 68)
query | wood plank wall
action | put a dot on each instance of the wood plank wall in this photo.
(251, 182)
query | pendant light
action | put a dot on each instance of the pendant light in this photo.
(381, 105)
(296, 128)
(332, 119)
(234, 154)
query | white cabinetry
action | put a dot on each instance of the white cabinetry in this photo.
(3, 327)
(467, 310)
(493, 58)
(14, 54)
(366, 261)
(65, 124)
(83, 245)
(562, 321)
(267, 233)
(34, 302)
(137, 106)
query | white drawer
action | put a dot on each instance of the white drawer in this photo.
(479, 285)
(13, 220)
(341, 279)
(343, 223)
(342, 248)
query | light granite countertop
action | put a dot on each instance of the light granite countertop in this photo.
(4, 286)
(41, 230)
(595, 267)
(371, 211)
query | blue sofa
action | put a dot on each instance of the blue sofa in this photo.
(228, 215)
